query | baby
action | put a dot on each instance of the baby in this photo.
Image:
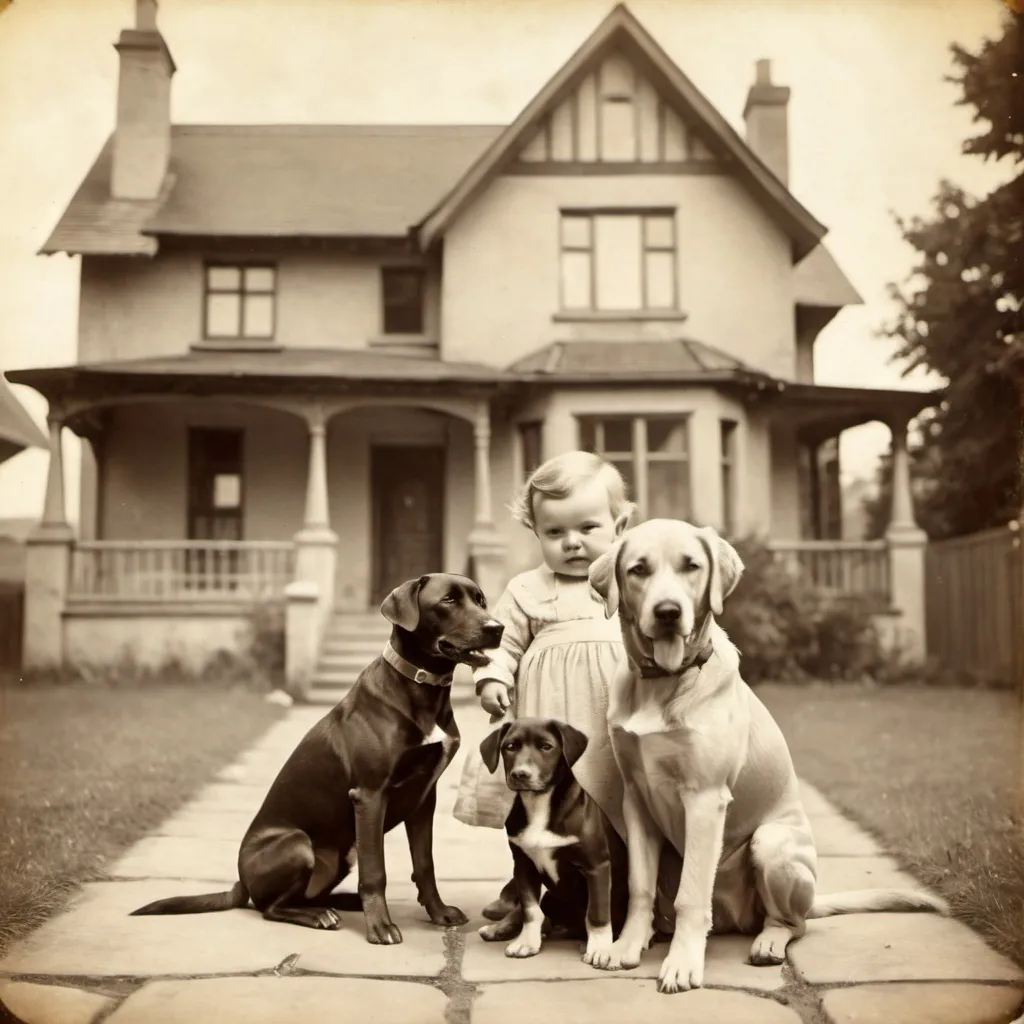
(559, 652)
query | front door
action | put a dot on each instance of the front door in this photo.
(407, 492)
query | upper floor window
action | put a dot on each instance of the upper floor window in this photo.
(653, 455)
(402, 291)
(239, 301)
(618, 261)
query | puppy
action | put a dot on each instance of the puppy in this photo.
(560, 838)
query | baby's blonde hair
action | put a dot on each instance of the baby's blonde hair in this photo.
(561, 475)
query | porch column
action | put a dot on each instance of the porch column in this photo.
(311, 605)
(487, 548)
(906, 542)
(48, 566)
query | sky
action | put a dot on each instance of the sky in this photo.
(873, 126)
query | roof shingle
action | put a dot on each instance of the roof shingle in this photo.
(277, 181)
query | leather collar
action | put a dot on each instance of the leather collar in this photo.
(410, 671)
(650, 670)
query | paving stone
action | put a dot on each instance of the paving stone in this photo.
(229, 826)
(180, 857)
(725, 965)
(231, 796)
(98, 938)
(815, 804)
(896, 947)
(51, 1004)
(835, 835)
(922, 1003)
(576, 1002)
(837, 874)
(281, 1001)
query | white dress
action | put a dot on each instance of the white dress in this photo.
(558, 656)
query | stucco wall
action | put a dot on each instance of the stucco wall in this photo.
(189, 638)
(144, 476)
(144, 473)
(134, 308)
(500, 291)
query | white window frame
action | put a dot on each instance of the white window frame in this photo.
(640, 456)
(644, 215)
(242, 291)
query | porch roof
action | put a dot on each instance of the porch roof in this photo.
(218, 372)
(678, 360)
(820, 411)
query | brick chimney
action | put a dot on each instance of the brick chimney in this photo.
(767, 121)
(142, 135)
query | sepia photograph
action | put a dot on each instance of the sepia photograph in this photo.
(510, 509)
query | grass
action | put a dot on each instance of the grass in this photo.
(85, 771)
(935, 775)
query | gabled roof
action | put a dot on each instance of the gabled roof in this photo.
(289, 181)
(627, 361)
(621, 29)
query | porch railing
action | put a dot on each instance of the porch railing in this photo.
(841, 566)
(180, 571)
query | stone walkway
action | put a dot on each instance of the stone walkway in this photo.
(95, 963)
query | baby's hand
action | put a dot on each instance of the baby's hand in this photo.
(494, 698)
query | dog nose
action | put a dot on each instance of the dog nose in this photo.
(667, 612)
(519, 774)
(493, 630)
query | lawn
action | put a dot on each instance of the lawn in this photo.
(934, 775)
(85, 771)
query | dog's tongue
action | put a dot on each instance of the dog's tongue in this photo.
(669, 652)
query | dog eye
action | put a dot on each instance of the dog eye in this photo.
(689, 565)
(637, 570)
(547, 746)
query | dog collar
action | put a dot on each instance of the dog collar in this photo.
(410, 671)
(650, 670)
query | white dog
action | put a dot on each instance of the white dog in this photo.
(705, 766)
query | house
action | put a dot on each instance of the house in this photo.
(316, 361)
(18, 430)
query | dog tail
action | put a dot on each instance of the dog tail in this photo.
(237, 896)
(874, 901)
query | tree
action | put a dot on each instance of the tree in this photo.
(961, 314)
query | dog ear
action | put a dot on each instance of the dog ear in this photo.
(603, 576)
(724, 568)
(574, 742)
(490, 746)
(402, 606)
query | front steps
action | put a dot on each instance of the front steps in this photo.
(351, 642)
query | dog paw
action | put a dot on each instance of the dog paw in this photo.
(680, 971)
(598, 949)
(383, 933)
(769, 947)
(521, 949)
(449, 917)
(621, 956)
(328, 919)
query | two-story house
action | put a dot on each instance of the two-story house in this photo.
(321, 359)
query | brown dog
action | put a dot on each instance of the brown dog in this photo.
(370, 763)
(560, 838)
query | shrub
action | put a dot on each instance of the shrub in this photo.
(266, 641)
(786, 628)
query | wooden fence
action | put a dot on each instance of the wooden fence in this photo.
(974, 603)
